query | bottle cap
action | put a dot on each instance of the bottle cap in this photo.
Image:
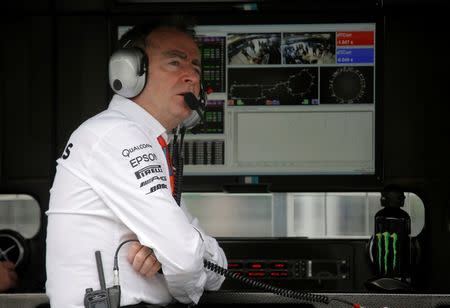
(392, 198)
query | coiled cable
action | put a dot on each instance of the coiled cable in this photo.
(310, 297)
(304, 296)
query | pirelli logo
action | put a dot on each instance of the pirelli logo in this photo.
(147, 171)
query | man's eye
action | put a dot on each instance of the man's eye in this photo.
(175, 63)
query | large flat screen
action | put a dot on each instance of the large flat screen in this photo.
(291, 99)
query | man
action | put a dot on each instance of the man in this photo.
(8, 276)
(112, 184)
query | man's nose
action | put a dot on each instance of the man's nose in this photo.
(191, 76)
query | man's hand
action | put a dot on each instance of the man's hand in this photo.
(8, 276)
(143, 260)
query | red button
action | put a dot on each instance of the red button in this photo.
(256, 274)
(279, 265)
(256, 265)
(279, 274)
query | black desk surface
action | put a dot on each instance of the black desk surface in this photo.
(227, 298)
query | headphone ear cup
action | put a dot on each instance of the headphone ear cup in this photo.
(128, 71)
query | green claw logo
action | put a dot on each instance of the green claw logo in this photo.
(385, 238)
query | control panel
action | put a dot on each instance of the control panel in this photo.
(316, 269)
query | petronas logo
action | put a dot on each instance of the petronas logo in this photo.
(388, 241)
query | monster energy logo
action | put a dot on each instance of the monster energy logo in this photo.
(385, 239)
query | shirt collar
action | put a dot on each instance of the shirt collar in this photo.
(137, 114)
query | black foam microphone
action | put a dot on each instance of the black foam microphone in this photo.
(191, 100)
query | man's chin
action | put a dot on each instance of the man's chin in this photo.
(185, 114)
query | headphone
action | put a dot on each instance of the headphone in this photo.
(128, 71)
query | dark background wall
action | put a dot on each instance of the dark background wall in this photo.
(53, 76)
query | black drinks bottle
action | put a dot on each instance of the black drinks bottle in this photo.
(391, 242)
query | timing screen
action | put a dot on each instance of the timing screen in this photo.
(285, 99)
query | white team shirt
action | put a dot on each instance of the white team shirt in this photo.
(112, 184)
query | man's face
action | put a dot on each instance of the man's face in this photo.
(174, 69)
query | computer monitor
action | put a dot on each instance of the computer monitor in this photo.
(286, 99)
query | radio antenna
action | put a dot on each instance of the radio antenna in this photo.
(101, 274)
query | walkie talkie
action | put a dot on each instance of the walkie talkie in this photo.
(103, 298)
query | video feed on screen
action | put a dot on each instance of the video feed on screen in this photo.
(272, 86)
(346, 85)
(309, 48)
(254, 48)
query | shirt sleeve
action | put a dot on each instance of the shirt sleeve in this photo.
(129, 172)
(213, 253)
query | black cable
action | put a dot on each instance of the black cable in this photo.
(178, 162)
(310, 297)
(116, 266)
(183, 131)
